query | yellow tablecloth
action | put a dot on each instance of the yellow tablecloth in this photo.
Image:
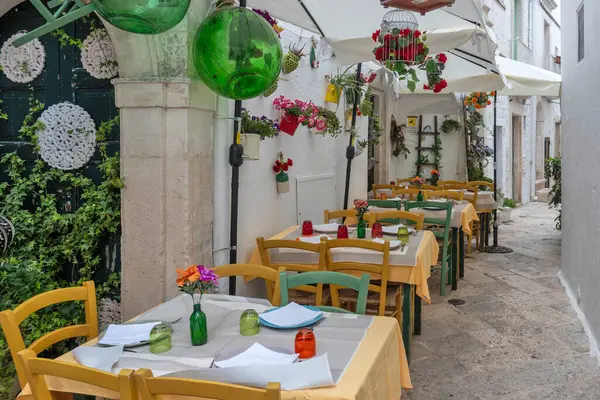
(468, 215)
(427, 256)
(377, 372)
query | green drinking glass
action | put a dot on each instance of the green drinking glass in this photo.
(143, 16)
(160, 338)
(403, 235)
(249, 324)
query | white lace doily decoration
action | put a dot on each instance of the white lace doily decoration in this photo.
(22, 64)
(98, 55)
(68, 140)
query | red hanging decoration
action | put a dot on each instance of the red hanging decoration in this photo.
(420, 6)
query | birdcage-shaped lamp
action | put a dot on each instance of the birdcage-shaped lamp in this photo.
(401, 43)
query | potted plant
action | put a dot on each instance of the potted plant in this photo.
(271, 89)
(418, 181)
(450, 125)
(262, 126)
(291, 60)
(505, 210)
(478, 100)
(435, 177)
(342, 81)
(280, 167)
(290, 113)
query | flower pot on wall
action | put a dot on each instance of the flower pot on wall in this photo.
(289, 124)
(283, 182)
(333, 93)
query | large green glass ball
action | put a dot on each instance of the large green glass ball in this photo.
(237, 53)
(143, 16)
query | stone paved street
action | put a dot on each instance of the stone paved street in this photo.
(516, 337)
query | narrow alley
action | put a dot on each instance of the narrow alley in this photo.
(516, 337)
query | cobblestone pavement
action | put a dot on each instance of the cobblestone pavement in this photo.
(517, 336)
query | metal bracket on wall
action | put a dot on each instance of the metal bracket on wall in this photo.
(67, 12)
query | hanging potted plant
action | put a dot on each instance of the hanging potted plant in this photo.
(478, 100)
(342, 81)
(290, 113)
(271, 89)
(263, 126)
(291, 60)
(435, 177)
(280, 167)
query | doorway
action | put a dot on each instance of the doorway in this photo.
(517, 157)
(376, 151)
(557, 139)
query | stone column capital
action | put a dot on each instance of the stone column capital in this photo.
(169, 93)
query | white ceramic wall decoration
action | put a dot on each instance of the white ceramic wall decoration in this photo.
(22, 64)
(98, 55)
(68, 139)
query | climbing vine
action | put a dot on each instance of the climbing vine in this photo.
(56, 243)
(437, 153)
(397, 138)
(553, 170)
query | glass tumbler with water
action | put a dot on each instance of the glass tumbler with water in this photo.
(403, 234)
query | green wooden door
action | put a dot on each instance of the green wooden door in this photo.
(63, 79)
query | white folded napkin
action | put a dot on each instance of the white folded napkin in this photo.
(309, 374)
(257, 354)
(291, 315)
(127, 334)
(393, 243)
(313, 239)
(326, 228)
(102, 358)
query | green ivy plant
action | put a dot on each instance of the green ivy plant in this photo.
(553, 170)
(437, 153)
(56, 244)
(450, 125)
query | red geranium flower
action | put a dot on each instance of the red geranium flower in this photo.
(375, 35)
(442, 58)
(387, 39)
(417, 33)
(276, 169)
(277, 163)
(426, 87)
(285, 167)
(289, 162)
(379, 53)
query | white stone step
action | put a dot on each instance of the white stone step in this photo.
(543, 194)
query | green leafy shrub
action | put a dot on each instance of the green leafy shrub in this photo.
(553, 170)
(509, 203)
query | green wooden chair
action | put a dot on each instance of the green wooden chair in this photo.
(361, 285)
(392, 204)
(443, 235)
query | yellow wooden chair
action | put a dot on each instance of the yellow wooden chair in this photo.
(36, 370)
(375, 188)
(488, 185)
(384, 299)
(444, 194)
(425, 187)
(403, 180)
(349, 215)
(405, 192)
(305, 294)
(270, 276)
(11, 319)
(443, 183)
(396, 214)
(473, 200)
(151, 388)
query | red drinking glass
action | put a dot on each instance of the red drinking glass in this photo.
(307, 228)
(377, 230)
(305, 343)
(342, 232)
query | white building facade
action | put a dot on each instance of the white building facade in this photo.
(528, 128)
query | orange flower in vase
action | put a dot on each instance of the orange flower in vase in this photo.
(435, 175)
(190, 274)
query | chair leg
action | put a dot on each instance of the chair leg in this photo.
(406, 309)
(443, 275)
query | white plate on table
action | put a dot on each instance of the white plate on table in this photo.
(326, 228)
(313, 239)
(394, 244)
(393, 230)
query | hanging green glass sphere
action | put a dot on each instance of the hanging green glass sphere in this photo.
(143, 16)
(237, 53)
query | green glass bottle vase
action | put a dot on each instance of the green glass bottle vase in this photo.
(237, 54)
(361, 229)
(420, 196)
(198, 329)
(148, 17)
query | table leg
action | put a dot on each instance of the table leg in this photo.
(482, 221)
(487, 229)
(454, 264)
(417, 330)
(406, 310)
(461, 252)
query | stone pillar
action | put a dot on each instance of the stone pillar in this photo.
(166, 206)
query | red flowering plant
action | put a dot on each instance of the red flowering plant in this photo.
(404, 51)
(281, 166)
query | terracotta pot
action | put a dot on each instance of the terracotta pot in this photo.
(289, 124)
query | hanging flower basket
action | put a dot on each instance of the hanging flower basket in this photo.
(271, 89)
(291, 61)
(333, 94)
(478, 100)
(289, 124)
(280, 167)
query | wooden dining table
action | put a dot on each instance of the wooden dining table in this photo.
(410, 267)
(375, 368)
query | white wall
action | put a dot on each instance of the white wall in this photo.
(263, 211)
(581, 157)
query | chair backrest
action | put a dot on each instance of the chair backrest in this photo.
(151, 388)
(329, 215)
(265, 246)
(394, 204)
(443, 221)
(376, 271)
(405, 192)
(36, 370)
(270, 276)
(487, 185)
(442, 183)
(467, 188)
(427, 187)
(11, 319)
(361, 285)
(395, 215)
(445, 194)
(403, 180)
(382, 187)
